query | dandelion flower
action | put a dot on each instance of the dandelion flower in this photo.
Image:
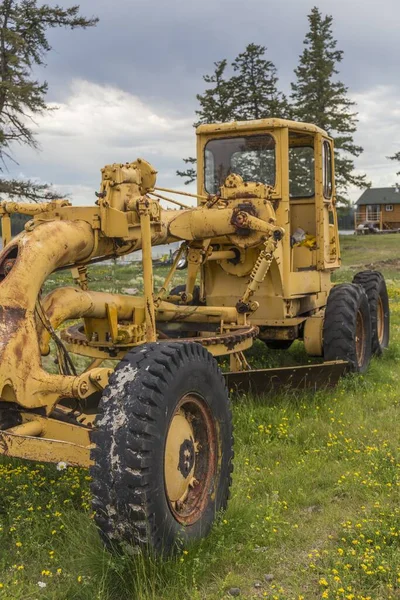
(42, 584)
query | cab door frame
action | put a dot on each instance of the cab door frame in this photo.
(328, 250)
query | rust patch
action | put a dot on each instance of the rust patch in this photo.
(3, 445)
(149, 312)
(18, 352)
(63, 257)
(10, 319)
(81, 246)
(239, 195)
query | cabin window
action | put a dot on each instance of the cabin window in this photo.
(389, 207)
(301, 165)
(252, 157)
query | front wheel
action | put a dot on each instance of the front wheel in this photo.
(163, 455)
(347, 326)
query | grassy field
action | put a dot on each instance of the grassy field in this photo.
(314, 511)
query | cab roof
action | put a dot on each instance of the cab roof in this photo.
(259, 124)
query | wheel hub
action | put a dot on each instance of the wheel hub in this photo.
(179, 457)
(190, 459)
(186, 458)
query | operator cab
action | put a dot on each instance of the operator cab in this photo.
(296, 161)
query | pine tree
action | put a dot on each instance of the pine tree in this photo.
(23, 45)
(319, 98)
(215, 107)
(216, 104)
(250, 93)
(255, 92)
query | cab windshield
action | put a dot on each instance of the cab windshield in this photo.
(252, 157)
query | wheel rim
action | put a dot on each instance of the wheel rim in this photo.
(360, 339)
(380, 321)
(190, 459)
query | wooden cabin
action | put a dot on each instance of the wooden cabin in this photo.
(379, 207)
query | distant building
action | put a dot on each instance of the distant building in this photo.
(379, 207)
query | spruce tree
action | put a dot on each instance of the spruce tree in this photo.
(249, 93)
(254, 87)
(23, 44)
(319, 98)
(216, 106)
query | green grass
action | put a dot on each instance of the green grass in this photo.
(115, 278)
(379, 252)
(315, 497)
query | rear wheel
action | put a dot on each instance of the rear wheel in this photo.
(163, 455)
(374, 285)
(347, 326)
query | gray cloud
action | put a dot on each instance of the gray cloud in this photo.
(159, 50)
(127, 87)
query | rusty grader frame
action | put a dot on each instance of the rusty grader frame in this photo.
(237, 243)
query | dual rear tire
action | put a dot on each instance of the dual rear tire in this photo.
(356, 324)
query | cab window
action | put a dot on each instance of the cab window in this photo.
(301, 165)
(252, 157)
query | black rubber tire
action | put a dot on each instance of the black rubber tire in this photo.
(374, 285)
(178, 289)
(345, 302)
(128, 483)
(278, 344)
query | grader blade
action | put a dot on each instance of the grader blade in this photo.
(304, 377)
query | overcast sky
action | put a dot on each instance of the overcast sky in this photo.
(127, 88)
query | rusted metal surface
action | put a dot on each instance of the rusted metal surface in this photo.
(264, 381)
(238, 246)
(218, 344)
(38, 253)
(191, 465)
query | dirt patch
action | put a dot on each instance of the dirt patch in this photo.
(380, 264)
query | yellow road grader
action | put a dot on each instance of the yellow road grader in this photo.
(155, 431)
